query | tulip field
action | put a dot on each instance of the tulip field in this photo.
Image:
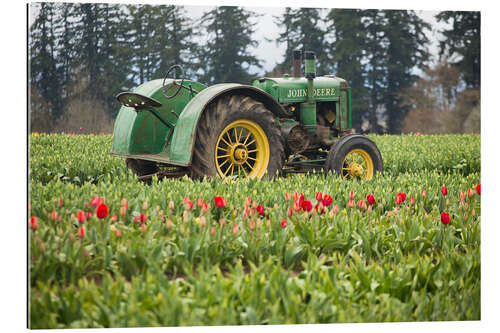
(106, 250)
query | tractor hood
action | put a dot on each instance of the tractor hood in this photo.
(294, 90)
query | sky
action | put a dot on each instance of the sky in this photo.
(268, 51)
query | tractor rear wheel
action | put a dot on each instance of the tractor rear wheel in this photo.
(354, 157)
(141, 167)
(237, 137)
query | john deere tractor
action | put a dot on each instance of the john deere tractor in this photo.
(293, 124)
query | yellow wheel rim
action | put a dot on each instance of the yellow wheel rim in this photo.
(242, 150)
(357, 164)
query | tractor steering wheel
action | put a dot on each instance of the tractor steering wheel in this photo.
(174, 68)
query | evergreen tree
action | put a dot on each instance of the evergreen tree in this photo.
(303, 31)
(225, 57)
(462, 45)
(176, 32)
(407, 50)
(43, 65)
(347, 55)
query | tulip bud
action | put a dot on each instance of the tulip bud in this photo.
(143, 218)
(34, 223)
(362, 204)
(319, 196)
(473, 213)
(351, 203)
(276, 206)
(470, 193)
(252, 225)
(259, 222)
(335, 209)
(118, 233)
(248, 201)
(268, 223)
(81, 216)
(136, 219)
(199, 202)
(351, 195)
(369, 209)
(81, 232)
(143, 227)
(254, 204)
(203, 221)
(444, 191)
(185, 216)
(186, 199)
(212, 230)
(71, 237)
(123, 210)
(412, 201)
(171, 204)
(287, 196)
(89, 215)
(60, 203)
(125, 203)
(53, 215)
(424, 194)
(235, 229)
(462, 196)
(205, 207)
(222, 221)
(284, 223)
(86, 253)
(295, 196)
(169, 223)
(290, 212)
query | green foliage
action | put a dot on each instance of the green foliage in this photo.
(225, 56)
(188, 267)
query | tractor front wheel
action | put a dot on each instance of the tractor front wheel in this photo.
(354, 157)
(237, 137)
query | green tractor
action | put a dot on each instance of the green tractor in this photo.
(294, 124)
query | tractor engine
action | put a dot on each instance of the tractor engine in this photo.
(318, 107)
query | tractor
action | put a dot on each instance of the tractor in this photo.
(292, 124)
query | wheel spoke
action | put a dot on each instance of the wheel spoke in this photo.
(239, 170)
(244, 171)
(248, 144)
(227, 155)
(241, 133)
(251, 158)
(253, 150)
(227, 143)
(225, 161)
(229, 137)
(251, 168)
(228, 168)
(248, 135)
(235, 130)
(226, 150)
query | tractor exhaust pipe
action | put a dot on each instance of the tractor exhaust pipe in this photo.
(297, 63)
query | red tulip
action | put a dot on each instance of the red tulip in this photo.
(371, 199)
(219, 202)
(327, 200)
(301, 199)
(412, 201)
(400, 197)
(123, 210)
(424, 194)
(60, 203)
(143, 218)
(445, 218)
(89, 215)
(295, 196)
(81, 232)
(205, 207)
(260, 210)
(34, 223)
(362, 204)
(320, 209)
(287, 196)
(351, 203)
(284, 223)
(351, 195)
(94, 201)
(478, 189)
(319, 196)
(296, 206)
(307, 205)
(199, 202)
(102, 211)
(290, 212)
(470, 193)
(444, 191)
(124, 203)
(188, 204)
(136, 219)
(53, 215)
(462, 196)
(81, 216)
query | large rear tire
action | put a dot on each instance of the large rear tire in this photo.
(237, 137)
(354, 157)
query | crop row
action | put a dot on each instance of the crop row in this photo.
(86, 158)
(177, 254)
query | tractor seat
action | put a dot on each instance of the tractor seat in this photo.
(137, 101)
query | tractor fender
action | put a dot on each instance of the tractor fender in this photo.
(184, 136)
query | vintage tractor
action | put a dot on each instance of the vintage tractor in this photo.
(293, 124)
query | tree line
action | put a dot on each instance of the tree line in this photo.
(81, 55)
